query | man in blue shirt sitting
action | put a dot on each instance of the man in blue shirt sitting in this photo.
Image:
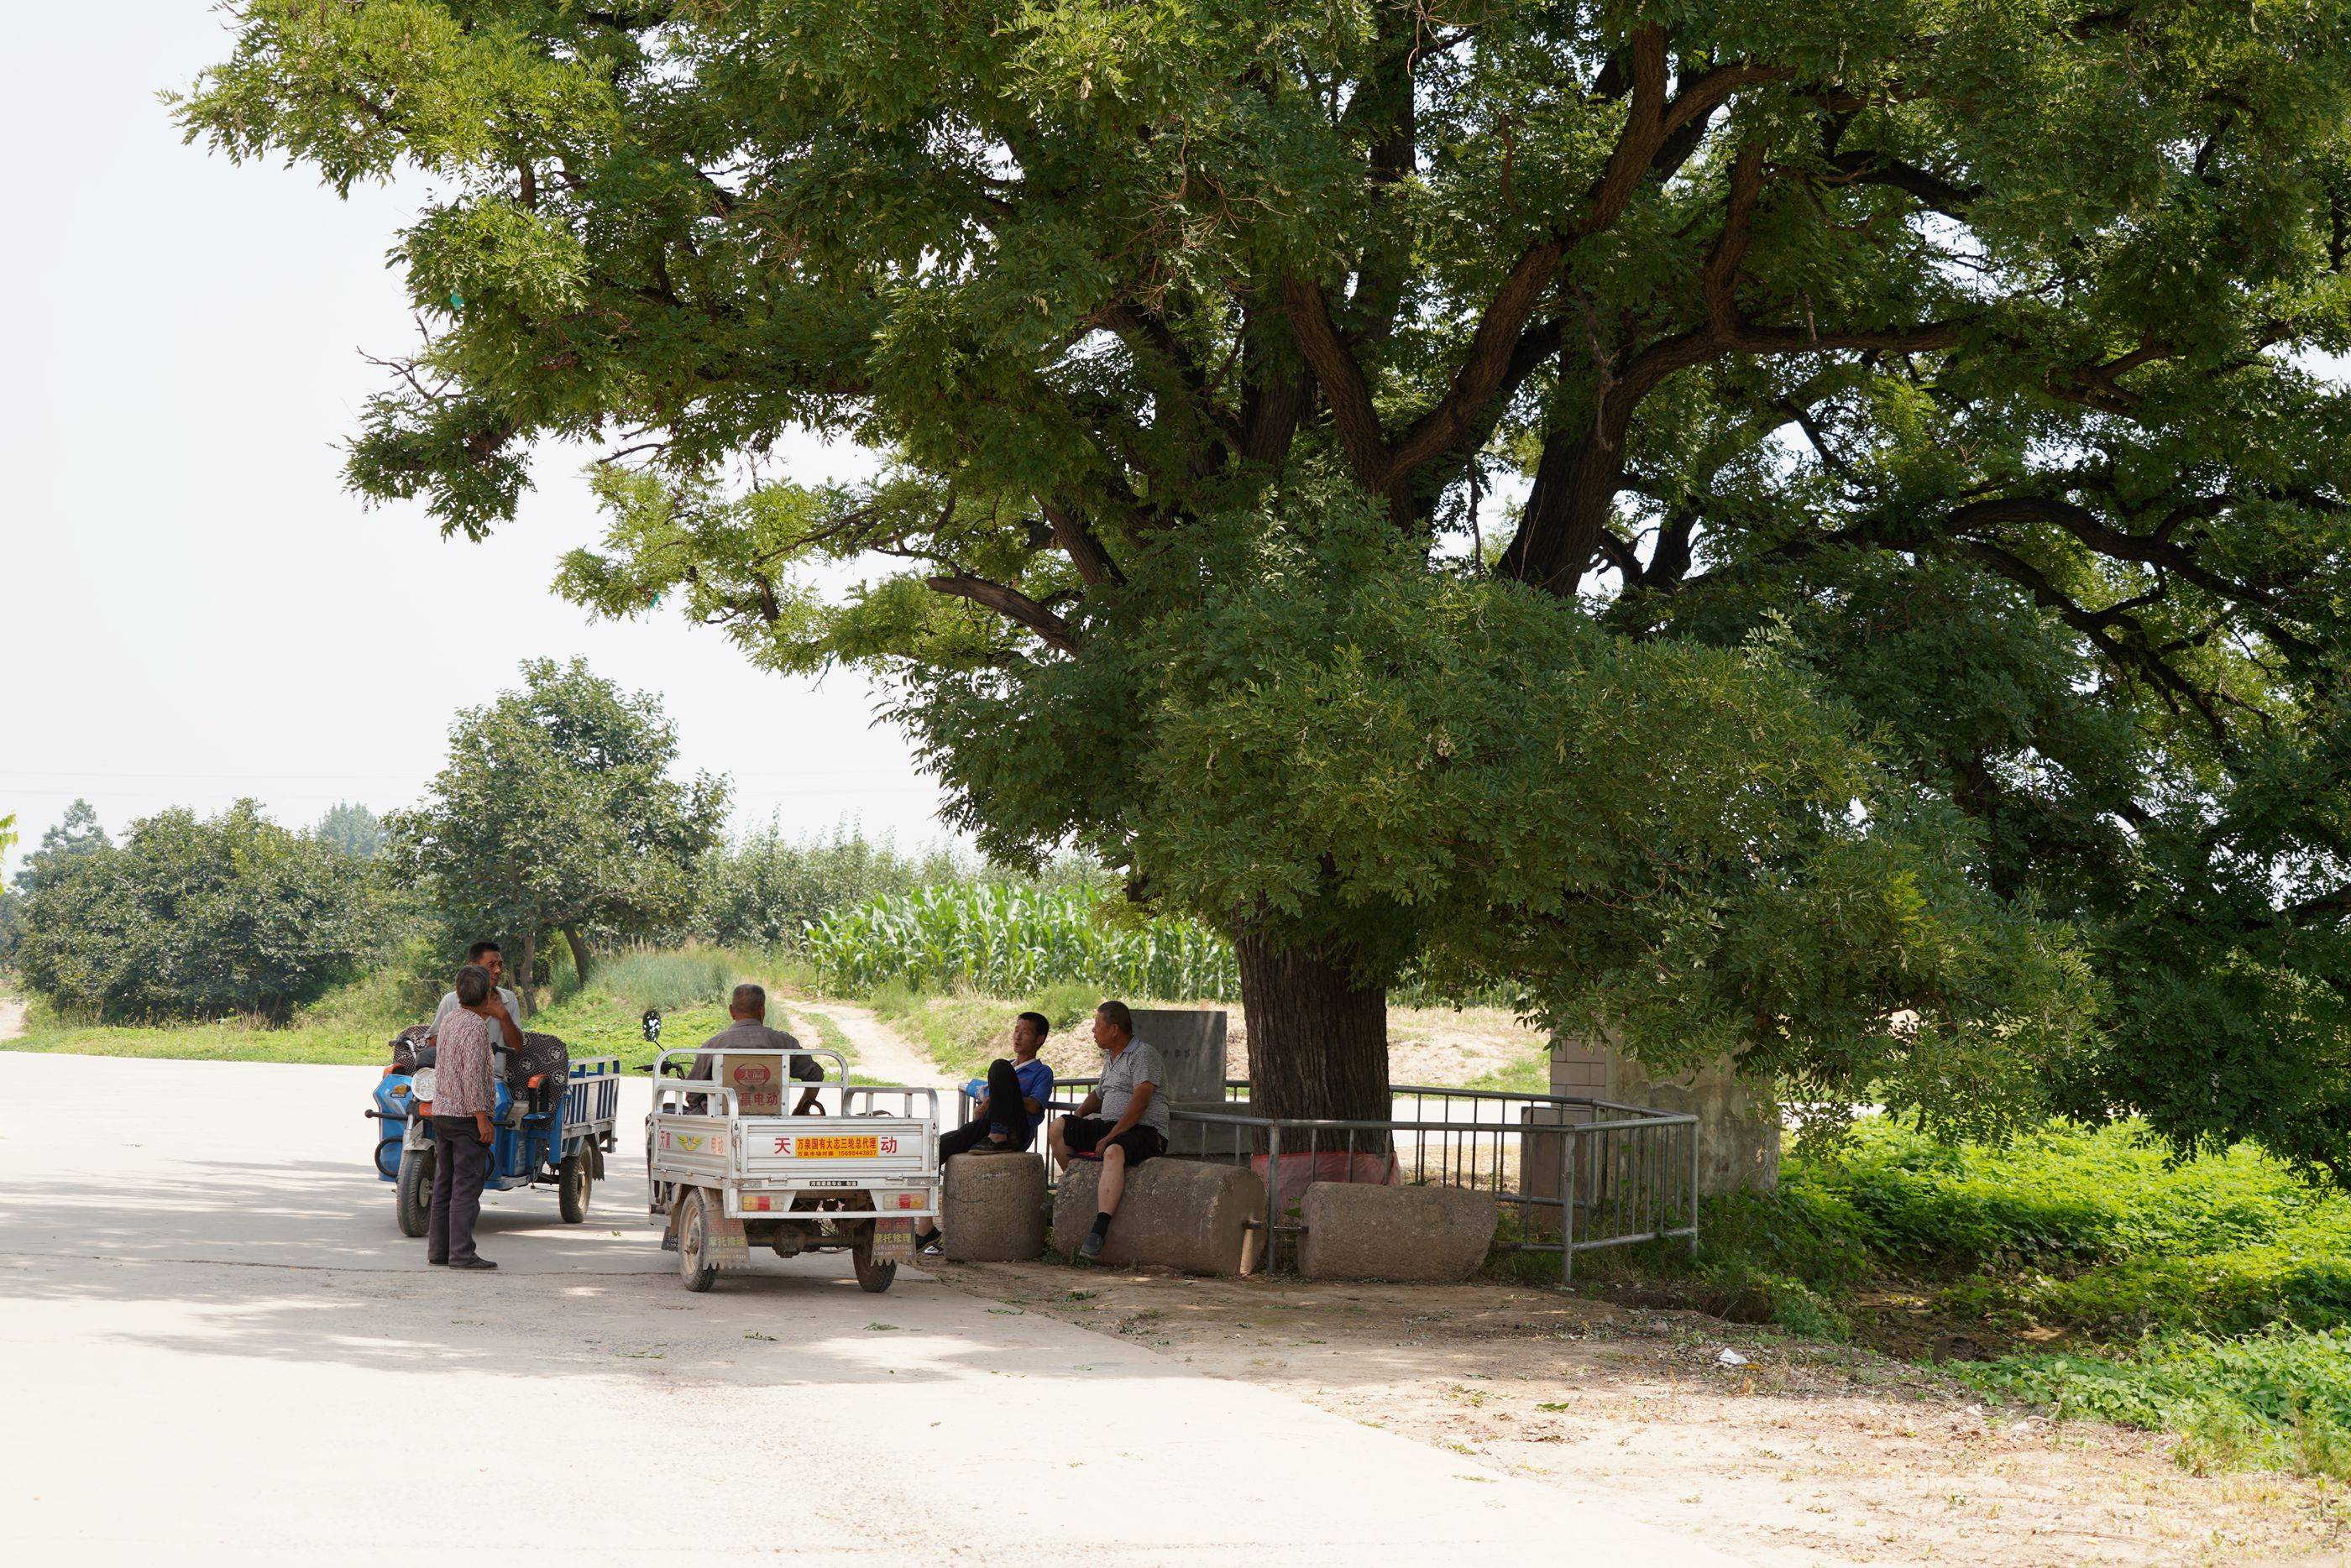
(1011, 1103)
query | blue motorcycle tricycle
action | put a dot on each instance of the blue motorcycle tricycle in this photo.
(554, 1122)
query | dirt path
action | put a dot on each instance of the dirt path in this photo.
(883, 1055)
(12, 1017)
(1794, 1454)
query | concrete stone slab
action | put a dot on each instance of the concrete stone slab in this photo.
(993, 1208)
(1183, 1214)
(1358, 1231)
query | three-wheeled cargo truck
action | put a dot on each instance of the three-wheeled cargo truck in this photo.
(729, 1170)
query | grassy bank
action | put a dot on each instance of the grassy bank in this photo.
(354, 1025)
(2082, 1272)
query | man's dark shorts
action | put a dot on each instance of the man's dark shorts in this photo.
(1141, 1141)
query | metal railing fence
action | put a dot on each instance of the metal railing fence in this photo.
(1570, 1173)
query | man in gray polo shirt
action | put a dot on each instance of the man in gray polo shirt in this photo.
(1122, 1123)
(748, 1035)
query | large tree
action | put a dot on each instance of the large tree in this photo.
(1785, 528)
(556, 813)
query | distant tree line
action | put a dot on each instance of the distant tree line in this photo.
(554, 819)
(192, 917)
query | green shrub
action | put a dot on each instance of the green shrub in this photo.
(650, 978)
(1069, 1005)
(395, 994)
(2279, 1399)
(199, 917)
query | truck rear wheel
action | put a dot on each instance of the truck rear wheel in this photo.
(871, 1275)
(695, 1272)
(574, 1182)
(413, 1193)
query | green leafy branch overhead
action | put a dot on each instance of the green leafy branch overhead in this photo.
(1975, 358)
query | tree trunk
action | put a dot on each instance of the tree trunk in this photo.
(529, 971)
(579, 954)
(1318, 1040)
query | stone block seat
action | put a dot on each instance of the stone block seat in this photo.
(1357, 1230)
(992, 1208)
(1183, 1214)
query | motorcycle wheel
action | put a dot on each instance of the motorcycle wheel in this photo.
(574, 1183)
(413, 1194)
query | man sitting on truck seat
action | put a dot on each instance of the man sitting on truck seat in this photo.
(505, 1009)
(1133, 1124)
(748, 1033)
(1011, 1103)
(463, 1098)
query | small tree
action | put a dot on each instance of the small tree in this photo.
(77, 834)
(194, 918)
(352, 828)
(555, 812)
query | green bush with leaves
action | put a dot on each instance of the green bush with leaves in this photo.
(198, 917)
(2280, 1400)
(1012, 941)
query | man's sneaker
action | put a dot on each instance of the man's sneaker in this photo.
(471, 1263)
(1091, 1246)
(929, 1243)
(989, 1146)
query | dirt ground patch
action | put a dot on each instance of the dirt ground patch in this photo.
(1433, 1046)
(1803, 1454)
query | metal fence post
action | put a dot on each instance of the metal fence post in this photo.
(1567, 1173)
(1272, 1199)
(1693, 1187)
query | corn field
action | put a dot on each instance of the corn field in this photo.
(1015, 942)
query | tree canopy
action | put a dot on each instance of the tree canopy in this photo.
(195, 918)
(75, 834)
(1862, 491)
(352, 828)
(554, 813)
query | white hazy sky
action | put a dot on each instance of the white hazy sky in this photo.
(191, 607)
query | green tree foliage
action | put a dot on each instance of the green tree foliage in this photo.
(196, 917)
(352, 828)
(555, 812)
(11, 917)
(75, 834)
(763, 888)
(1861, 513)
(1011, 941)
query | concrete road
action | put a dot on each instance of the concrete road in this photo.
(214, 1345)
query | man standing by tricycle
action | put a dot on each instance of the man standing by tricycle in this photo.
(464, 1096)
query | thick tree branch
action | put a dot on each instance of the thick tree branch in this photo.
(1341, 379)
(1075, 540)
(1012, 604)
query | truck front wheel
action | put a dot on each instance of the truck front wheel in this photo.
(413, 1194)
